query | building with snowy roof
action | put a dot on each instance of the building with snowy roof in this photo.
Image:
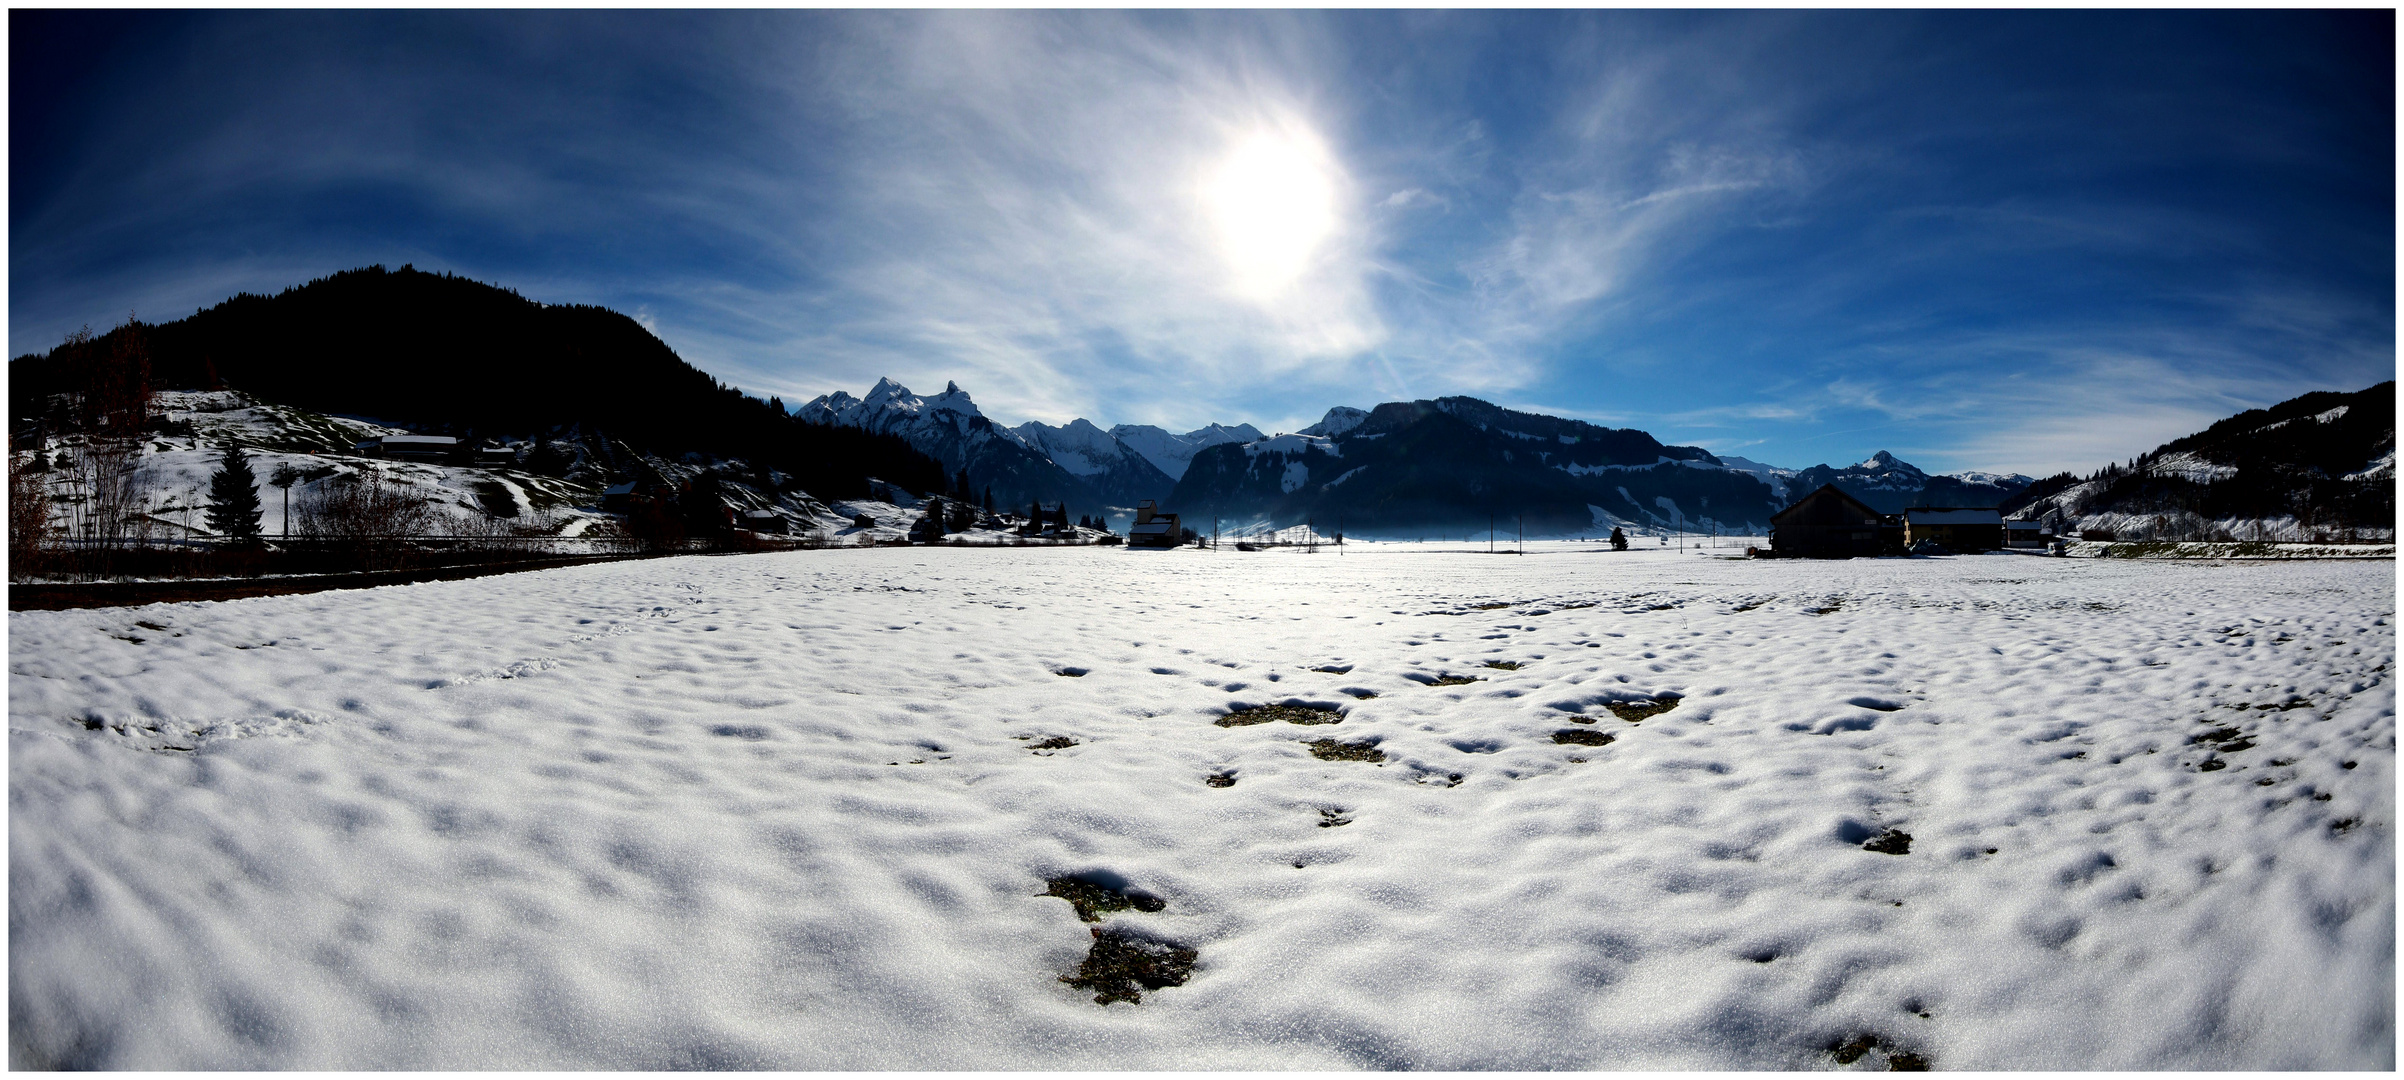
(1153, 528)
(435, 448)
(1955, 528)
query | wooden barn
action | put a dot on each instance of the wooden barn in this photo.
(1955, 528)
(1828, 524)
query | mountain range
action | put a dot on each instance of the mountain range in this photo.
(1451, 464)
(444, 354)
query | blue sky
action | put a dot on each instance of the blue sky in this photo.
(2022, 241)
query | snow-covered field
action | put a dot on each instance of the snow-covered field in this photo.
(789, 810)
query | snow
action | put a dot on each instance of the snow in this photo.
(2187, 465)
(1078, 446)
(1993, 479)
(1596, 470)
(888, 405)
(2330, 415)
(175, 469)
(1339, 420)
(1292, 444)
(1173, 453)
(1296, 475)
(781, 811)
(1775, 476)
(2380, 467)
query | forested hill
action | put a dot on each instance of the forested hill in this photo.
(2312, 464)
(451, 355)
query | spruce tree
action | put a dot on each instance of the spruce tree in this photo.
(234, 509)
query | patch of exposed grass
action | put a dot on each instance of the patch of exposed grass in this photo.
(1890, 842)
(1570, 736)
(1640, 711)
(2226, 740)
(1121, 968)
(1493, 607)
(1056, 742)
(1334, 669)
(1292, 714)
(1092, 901)
(1848, 1051)
(1331, 750)
(1504, 665)
(1224, 778)
(1454, 680)
(1330, 818)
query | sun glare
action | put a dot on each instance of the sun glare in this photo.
(1273, 201)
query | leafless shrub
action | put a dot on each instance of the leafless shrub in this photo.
(364, 514)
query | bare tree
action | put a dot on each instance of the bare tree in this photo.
(29, 527)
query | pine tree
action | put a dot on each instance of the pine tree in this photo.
(234, 498)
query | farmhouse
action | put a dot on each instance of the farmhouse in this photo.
(434, 448)
(1954, 528)
(1828, 524)
(1153, 528)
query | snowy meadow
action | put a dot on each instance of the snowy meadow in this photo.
(1395, 808)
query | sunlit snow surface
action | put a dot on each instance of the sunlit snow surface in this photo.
(782, 810)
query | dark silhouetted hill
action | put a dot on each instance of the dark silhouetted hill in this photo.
(449, 355)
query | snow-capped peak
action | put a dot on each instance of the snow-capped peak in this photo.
(1171, 453)
(1880, 461)
(1338, 420)
(953, 398)
(1993, 479)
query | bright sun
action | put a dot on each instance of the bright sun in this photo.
(1274, 202)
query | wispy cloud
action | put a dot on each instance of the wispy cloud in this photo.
(1797, 231)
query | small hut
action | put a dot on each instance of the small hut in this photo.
(1827, 524)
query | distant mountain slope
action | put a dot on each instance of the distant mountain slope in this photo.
(1455, 463)
(1890, 485)
(1118, 474)
(1093, 470)
(446, 354)
(2324, 462)
(1171, 453)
